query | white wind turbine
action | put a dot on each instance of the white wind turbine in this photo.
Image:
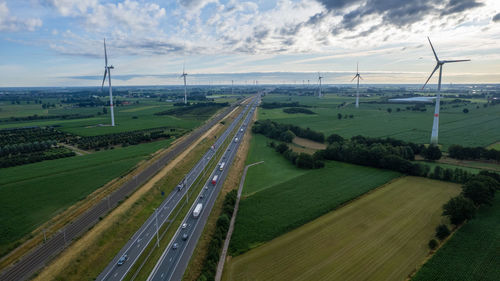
(439, 64)
(184, 74)
(107, 71)
(319, 88)
(357, 87)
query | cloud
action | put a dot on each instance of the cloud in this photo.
(496, 18)
(396, 13)
(72, 7)
(12, 23)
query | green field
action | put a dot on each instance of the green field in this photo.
(275, 169)
(473, 253)
(479, 127)
(293, 199)
(381, 236)
(32, 194)
(127, 118)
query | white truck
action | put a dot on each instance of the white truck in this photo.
(236, 140)
(197, 210)
(221, 167)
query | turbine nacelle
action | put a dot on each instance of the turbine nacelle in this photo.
(439, 63)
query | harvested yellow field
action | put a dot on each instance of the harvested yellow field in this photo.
(381, 236)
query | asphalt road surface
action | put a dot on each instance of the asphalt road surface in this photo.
(175, 258)
(40, 256)
(148, 231)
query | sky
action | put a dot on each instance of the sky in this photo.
(60, 42)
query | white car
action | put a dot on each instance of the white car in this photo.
(184, 225)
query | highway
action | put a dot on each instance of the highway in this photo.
(175, 258)
(148, 231)
(41, 255)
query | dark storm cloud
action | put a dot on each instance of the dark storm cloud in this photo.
(496, 18)
(458, 6)
(399, 13)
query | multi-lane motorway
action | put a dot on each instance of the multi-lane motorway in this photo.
(175, 258)
(148, 231)
(38, 257)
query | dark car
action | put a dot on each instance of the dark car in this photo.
(122, 260)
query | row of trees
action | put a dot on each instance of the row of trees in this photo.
(125, 138)
(45, 117)
(215, 246)
(478, 190)
(301, 160)
(31, 135)
(473, 153)
(272, 105)
(285, 132)
(38, 156)
(23, 148)
(293, 110)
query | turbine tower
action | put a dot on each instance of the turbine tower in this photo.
(319, 88)
(184, 74)
(232, 87)
(439, 64)
(107, 71)
(357, 87)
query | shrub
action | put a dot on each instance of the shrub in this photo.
(433, 244)
(442, 231)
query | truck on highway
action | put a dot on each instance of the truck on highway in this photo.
(214, 179)
(197, 210)
(221, 167)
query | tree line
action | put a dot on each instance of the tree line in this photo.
(36, 156)
(45, 117)
(477, 191)
(31, 135)
(125, 138)
(217, 242)
(301, 160)
(285, 132)
(294, 110)
(473, 153)
(23, 148)
(273, 105)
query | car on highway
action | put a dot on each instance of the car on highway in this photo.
(175, 246)
(185, 236)
(184, 225)
(122, 260)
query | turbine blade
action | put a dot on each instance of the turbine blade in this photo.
(354, 77)
(104, 79)
(437, 66)
(105, 54)
(446, 61)
(435, 55)
(361, 77)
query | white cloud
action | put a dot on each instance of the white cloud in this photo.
(13, 23)
(72, 7)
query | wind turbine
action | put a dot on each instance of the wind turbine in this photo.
(439, 64)
(319, 89)
(184, 74)
(232, 87)
(357, 87)
(107, 71)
